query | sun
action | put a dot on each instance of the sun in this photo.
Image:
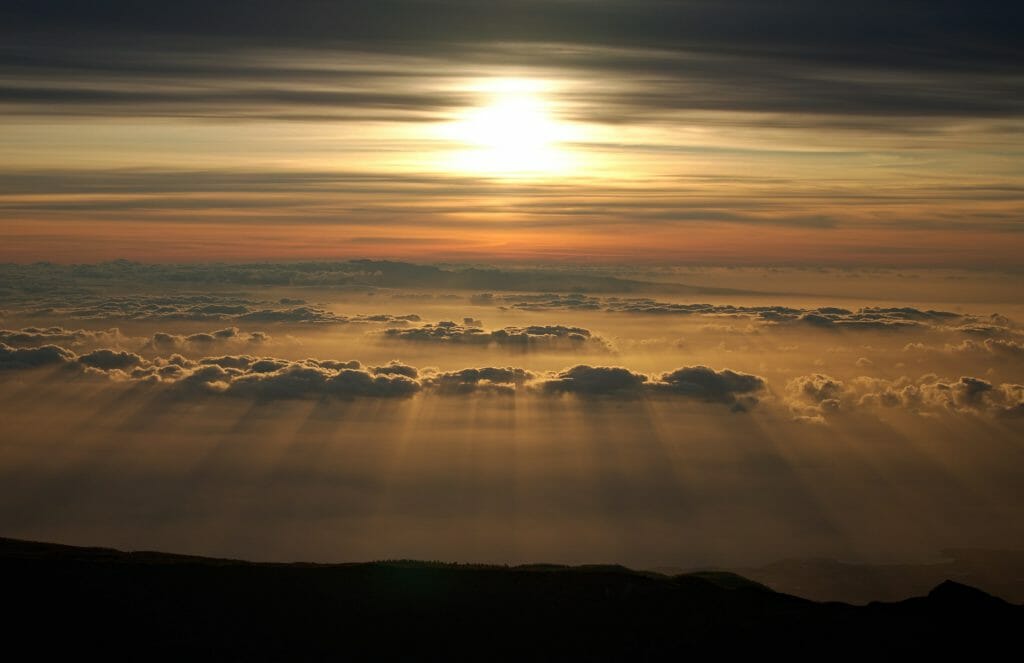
(513, 132)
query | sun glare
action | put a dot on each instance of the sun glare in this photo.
(514, 132)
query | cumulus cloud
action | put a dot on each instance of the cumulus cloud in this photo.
(480, 380)
(816, 388)
(395, 367)
(298, 380)
(47, 355)
(271, 378)
(34, 336)
(164, 342)
(965, 394)
(707, 384)
(814, 397)
(243, 362)
(596, 380)
(159, 342)
(108, 360)
(696, 382)
(533, 337)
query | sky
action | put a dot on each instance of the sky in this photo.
(736, 132)
(664, 284)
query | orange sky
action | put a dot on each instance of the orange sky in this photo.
(563, 142)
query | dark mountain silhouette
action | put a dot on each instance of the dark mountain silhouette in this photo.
(148, 605)
(998, 572)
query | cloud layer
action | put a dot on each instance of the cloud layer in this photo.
(825, 317)
(814, 397)
(194, 307)
(269, 378)
(526, 339)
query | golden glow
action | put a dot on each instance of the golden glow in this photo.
(514, 133)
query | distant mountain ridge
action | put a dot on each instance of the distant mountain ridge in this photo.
(351, 273)
(162, 606)
(998, 572)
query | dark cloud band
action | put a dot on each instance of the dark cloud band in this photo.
(883, 59)
(268, 378)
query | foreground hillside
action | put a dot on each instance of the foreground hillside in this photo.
(154, 605)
